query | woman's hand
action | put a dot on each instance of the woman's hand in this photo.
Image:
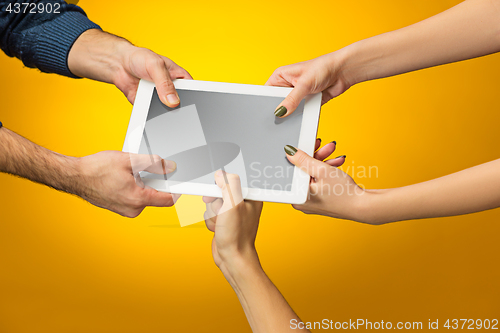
(322, 74)
(332, 192)
(234, 222)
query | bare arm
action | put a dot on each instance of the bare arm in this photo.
(468, 191)
(107, 179)
(470, 29)
(21, 157)
(335, 194)
(234, 252)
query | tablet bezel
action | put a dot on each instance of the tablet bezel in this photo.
(307, 138)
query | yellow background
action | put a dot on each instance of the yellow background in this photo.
(67, 266)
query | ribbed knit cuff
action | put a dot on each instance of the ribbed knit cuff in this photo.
(55, 42)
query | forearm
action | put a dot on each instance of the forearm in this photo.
(470, 29)
(21, 157)
(266, 309)
(42, 39)
(468, 191)
(98, 55)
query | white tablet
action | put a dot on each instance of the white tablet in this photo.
(224, 126)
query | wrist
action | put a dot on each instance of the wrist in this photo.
(238, 264)
(375, 207)
(98, 55)
(357, 62)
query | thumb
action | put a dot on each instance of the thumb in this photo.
(292, 101)
(151, 163)
(164, 85)
(230, 185)
(313, 167)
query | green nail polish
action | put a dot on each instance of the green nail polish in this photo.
(341, 156)
(334, 142)
(290, 150)
(280, 112)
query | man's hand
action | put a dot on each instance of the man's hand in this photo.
(107, 179)
(104, 57)
(110, 180)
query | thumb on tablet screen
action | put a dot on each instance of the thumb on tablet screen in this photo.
(291, 102)
(230, 185)
(151, 163)
(308, 164)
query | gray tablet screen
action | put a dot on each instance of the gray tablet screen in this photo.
(208, 130)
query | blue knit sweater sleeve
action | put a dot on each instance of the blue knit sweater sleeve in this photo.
(42, 40)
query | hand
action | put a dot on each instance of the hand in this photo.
(234, 222)
(332, 192)
(104, 57)
(325, 152)
(110, 180)
(322, 74)
(140, 63)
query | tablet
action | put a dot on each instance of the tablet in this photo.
(224, 126)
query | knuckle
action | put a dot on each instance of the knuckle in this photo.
(156, 159)
(293, 100)
(170, 202)
(302, 159)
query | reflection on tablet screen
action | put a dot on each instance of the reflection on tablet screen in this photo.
(211, 130)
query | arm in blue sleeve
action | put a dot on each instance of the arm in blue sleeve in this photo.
(42, 40)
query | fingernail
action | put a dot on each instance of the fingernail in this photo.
(218, 173)
(334, 142)
(172, 99)
(168, 166)
(280, 112)
(341, 156)
(290, 150)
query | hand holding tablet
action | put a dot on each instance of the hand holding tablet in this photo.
(224, 126)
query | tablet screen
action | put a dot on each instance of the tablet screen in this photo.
(208, 130)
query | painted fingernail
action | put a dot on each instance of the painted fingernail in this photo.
(341, 156)
(280, 112)
(334, 142)
(290, 150)
(172, 99)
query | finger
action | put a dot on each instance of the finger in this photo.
(209, 222)
(158, 71)
(277, 80)
(176, 71)
(210, 218)
(156, 198)
(208, 199)
(318, 143)
(151, 163)
(336, 162)
(308, 164)
(325, 151)
(216, 206)
(231, 188)
(175, 197)
(292, 101)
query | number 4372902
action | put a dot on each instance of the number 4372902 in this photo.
(33, 8)
(471, 324)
